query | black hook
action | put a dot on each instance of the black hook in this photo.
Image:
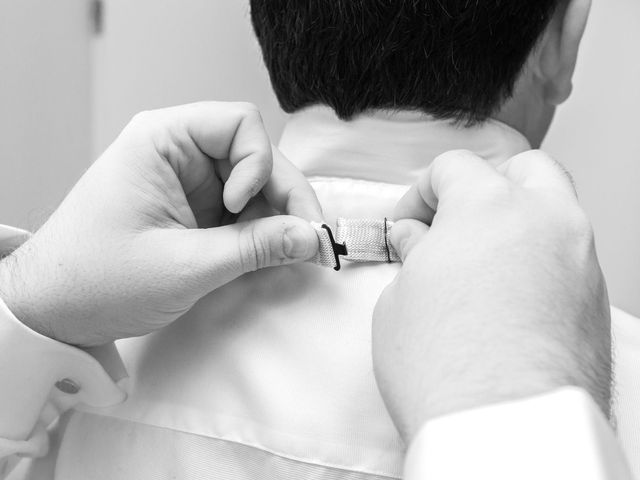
(338, 248)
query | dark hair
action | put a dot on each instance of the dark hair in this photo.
(449, 58)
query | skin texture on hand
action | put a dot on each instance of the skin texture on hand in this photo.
(500, 298)
(152, 226)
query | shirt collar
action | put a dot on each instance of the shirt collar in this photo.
(393, 147)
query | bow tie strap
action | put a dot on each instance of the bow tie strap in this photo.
(356, 240)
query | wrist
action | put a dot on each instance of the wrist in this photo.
(470, 395)
(473, 363)
(450, 387)
(15, 291)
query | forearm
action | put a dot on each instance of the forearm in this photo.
(463, 362)
(473, 372)
(13, 290)
(40, 377)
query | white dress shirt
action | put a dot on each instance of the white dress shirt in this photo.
(271, 375)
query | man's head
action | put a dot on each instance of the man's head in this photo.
(460, 59)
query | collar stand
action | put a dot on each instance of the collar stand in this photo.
(384, 146)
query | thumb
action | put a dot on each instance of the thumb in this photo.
(405, 234)
(224, 253)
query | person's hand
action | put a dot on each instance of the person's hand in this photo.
(501, 297)
(151, 226)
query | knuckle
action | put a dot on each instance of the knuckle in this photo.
(581, 226)
(536, 155)
(248, 109)
(542, 156)
(254, 249)
(143, 124)
(582, 240)
(524, 160)
(569, 222)
(568, 176)
(533, 157)
(148, 128)
(251, 113)
(142, 119)
(453, 158)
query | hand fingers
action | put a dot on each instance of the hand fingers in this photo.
(455, 175)
(218, 255)
(412, 205)
(450, 174)
(251, 160)
(536, 169)
(290, 192)
(405, 234)
(258, 207)
(189, 136)
(202, 202)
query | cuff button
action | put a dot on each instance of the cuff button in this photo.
(66, 385)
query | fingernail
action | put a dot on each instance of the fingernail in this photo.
(297, 242)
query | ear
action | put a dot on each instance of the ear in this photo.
(558, 52)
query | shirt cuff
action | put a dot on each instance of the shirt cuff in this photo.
(40, 378)
(558, 435)
(11, 238)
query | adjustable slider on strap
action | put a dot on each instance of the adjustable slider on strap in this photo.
(357, 240)
(368, 239)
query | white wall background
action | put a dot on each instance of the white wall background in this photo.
(597, 136)
(154, 53)
(45, 98)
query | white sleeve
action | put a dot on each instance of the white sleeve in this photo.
(40, 378)
(557, 436)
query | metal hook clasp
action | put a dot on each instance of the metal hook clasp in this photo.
(338, 248)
